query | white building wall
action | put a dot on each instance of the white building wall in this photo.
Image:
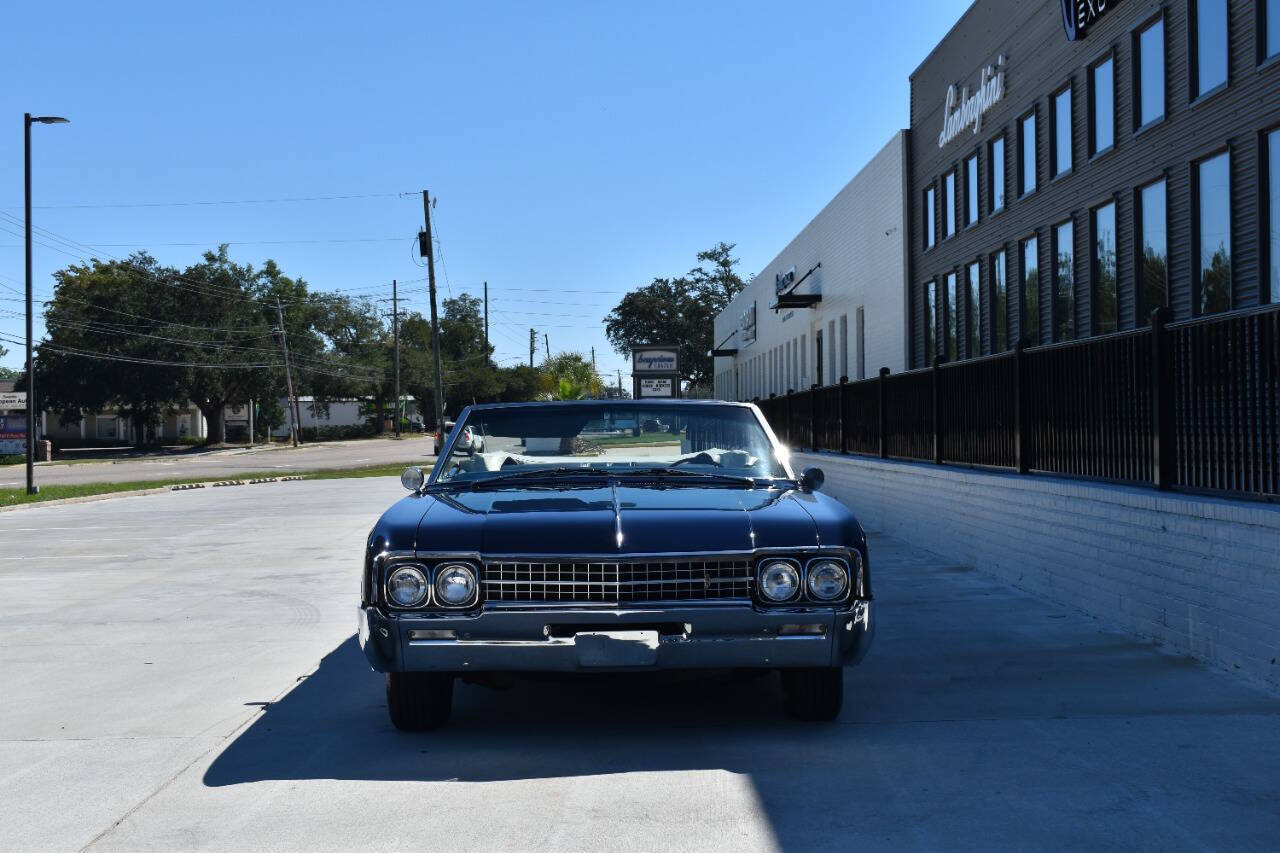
(860, 240)
(1199, 574)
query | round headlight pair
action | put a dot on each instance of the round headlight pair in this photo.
(828, 580)
(455, 585)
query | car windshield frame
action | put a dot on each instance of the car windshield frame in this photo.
(469, 417)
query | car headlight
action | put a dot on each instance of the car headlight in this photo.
(828, 580)
(413, 478)
(455, 584)
(407, 586)
(779, 580)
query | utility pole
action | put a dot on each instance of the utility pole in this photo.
(395, 337)
(426, 248)
(619, 382)
(593, 359)
(27, 120)
(547, 340)
(486, 321)
(294, 422)
(533, 344)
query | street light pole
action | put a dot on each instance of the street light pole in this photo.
(27, 120)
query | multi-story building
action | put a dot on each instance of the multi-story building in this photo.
(1075, 164)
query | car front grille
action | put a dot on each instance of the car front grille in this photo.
(620, 582)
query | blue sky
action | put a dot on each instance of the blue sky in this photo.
(577, 150)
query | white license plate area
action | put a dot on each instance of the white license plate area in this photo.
(616, 648)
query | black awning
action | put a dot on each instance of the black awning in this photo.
(796, 300)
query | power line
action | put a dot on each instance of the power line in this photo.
(295, 199)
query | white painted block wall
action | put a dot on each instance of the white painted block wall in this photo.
(1201, 575)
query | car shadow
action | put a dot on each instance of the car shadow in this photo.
(334, 725)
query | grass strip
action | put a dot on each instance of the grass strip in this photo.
(14, 497)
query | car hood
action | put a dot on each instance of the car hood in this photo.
(604, 519)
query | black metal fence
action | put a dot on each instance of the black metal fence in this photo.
(1193, 405)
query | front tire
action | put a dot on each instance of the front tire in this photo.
(814, 694)
(419, 701)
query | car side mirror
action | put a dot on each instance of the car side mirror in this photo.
(812, 479)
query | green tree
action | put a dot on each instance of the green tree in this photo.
(110, 342)
(214, 295)
(7, 374)
(570, 376)
(520, 384)
(680, 311)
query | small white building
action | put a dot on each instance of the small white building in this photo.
(336, 413)
(834, 302)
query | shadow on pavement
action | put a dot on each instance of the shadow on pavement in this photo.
(983, 719)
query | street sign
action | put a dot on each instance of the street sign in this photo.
(654, 360)
(656, 387)
(14, 400)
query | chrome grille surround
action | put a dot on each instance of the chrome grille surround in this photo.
(620, 581)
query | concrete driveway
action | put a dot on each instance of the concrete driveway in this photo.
(178, 672)
(228, 463)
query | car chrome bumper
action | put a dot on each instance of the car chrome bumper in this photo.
(697, 637)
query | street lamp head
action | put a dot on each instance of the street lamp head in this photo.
(50, 120)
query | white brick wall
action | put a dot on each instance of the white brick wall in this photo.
(860, 240)
(1201, 575)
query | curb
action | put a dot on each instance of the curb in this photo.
(158, 490)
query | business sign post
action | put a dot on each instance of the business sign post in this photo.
(13, 434)
(655, 371)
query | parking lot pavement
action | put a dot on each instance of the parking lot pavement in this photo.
(229, 463)
(142, 639)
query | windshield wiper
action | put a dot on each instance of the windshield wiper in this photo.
(538, 473)
(682, 474)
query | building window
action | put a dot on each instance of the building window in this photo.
(1270, 28)
(995, 167)
(1154, 264)
(999, 303)
(1064, 282)
(1027, 155)
(950, 319)
(818, 358)
(1029, 325)
(1149, 70)
(833, 366)
(1061, 154)
(1213, 190)
(1102, 100)
(949, 205)
(973, 311)
(930, 217)
(861, 331)
(1104, 270)
(971, 190)
(930, 323)
(106, 427)
(1209, 38)
(844, 344)
(1273, 208)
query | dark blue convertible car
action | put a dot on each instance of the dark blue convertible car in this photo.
(614, 535)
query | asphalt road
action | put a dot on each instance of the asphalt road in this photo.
(227, 463)
(177, 671)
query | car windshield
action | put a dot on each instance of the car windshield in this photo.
(685, 442)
